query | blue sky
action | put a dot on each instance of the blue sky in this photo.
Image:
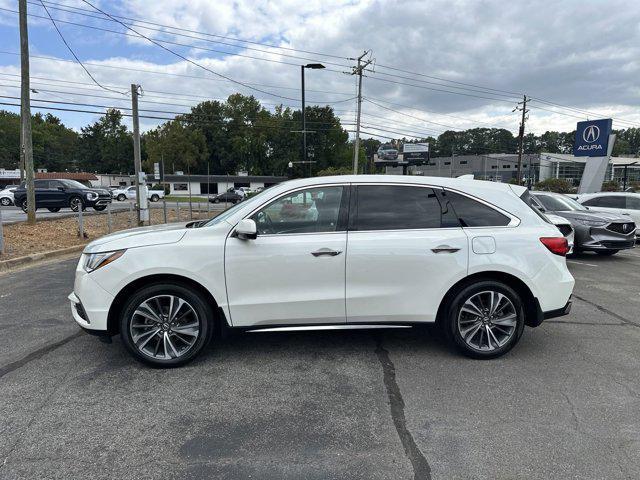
(579, 54)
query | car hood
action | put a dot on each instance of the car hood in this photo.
(139, 237)
(593, 215)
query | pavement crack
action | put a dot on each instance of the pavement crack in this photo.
(421, 468)
(37, 354)
(607, 311)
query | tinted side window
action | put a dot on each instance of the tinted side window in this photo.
(608, 201)
(54, 184)
(390, 207)
(475, 214)
(41, 183)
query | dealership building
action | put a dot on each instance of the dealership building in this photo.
(180, 184)
(502, 167)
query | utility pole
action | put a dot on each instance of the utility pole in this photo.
(521, 135)
(141, 199)
(26, 145)
(358, 71)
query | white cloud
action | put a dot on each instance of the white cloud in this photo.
(575, 53)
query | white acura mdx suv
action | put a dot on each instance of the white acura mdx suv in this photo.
(471, 256)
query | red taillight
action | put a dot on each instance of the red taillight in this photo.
(556, 245)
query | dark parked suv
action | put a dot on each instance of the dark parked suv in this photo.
(56, 194)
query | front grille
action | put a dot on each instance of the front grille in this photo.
(622, 227)
(565, 229)
(618, 244)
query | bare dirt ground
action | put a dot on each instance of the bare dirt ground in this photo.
(22, 239)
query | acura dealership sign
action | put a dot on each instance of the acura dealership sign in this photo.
(592, 138)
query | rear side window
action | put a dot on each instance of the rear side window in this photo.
(472, 213)
(41, 184)
(395, 207)
(633, 203)
(607, 201)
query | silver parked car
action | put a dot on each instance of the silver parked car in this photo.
(602, 232)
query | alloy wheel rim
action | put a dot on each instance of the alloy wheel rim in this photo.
(487, 320)
(164, 327)
(5, 202)
(75, 204)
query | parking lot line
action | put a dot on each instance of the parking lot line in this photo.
(582, 263)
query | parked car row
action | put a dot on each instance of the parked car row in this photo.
(123, 193)
(596, 230)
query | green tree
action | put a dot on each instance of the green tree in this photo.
(180, 146)
(106, 146)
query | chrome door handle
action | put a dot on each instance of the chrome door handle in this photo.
(326, 252)
(444, 249)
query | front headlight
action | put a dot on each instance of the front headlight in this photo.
(92, 195)
(94, 261)
(591, 223)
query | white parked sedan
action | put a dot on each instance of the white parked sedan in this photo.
(6, 196)
(469, 255)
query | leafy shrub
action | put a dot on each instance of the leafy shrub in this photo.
(557, 185)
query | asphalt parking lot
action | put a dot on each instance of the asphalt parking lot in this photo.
(381, 404)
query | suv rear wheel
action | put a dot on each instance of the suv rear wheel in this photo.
(166, 325)
(485, 319)
(121, 198)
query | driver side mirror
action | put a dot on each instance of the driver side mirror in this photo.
(61, 189)
(246, 230)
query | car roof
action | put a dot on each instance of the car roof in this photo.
(466, 183)
(602, 194)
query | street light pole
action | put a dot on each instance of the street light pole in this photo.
(313, 66)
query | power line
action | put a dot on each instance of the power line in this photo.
(578, 110)
(435, 113)
(74, 53)
(186, 59)
(225, 37)
(408, 115)
(156, 72)
(164, 31)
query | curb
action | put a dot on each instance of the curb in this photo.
(6, 265)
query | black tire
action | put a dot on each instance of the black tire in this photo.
(23, 205)
(75, 203)
(453, 313)
(606, 253)
(205, 319)
(53, 209)
(155, 198)
(5, 202)
(99, 208)
(216, 200)
(121, 198)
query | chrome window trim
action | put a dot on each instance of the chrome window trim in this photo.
(514, 220)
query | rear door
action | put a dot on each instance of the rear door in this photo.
(404, 251)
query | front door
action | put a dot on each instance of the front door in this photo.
(56, 194)
(404, 252)
(294, 271)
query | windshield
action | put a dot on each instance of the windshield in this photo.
(557, 203)
(256, 199)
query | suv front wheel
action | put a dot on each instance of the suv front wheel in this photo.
(485, 319)
(166, 325)
(75, 203)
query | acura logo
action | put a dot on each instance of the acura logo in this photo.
(591, 134)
